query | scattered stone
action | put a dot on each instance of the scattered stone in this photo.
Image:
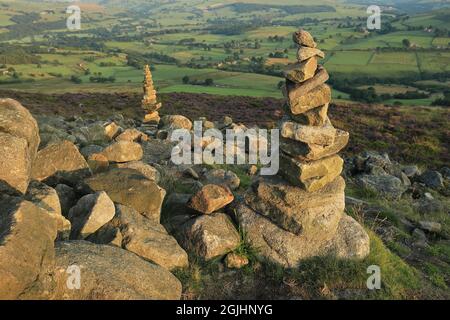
(67, 198)
(432, 179)
(68, 166)
(47, 198)
(90, 213)
(190, 172)
(430, 226)
(145, 169)
(211, 198)
(411, 171)
(210, 236)
(123, 151)
(420, 238)
(130, 188)
(235, 261)
(112, 130)
(132, 135)
(148, 239)
(223, 177)
(171, 122)
(98, 162)
(385, 185)
(445, 171)
(252, 170)
(90, 149)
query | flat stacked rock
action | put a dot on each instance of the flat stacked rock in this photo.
(149, 102)
(302, 215)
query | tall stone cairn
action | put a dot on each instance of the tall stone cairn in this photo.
(309, 143)
(303, 215)
(149, 102)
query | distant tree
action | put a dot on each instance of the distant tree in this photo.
(406, 43)
(75, 79)
(280, 84)
(185, 79)
(209, 82)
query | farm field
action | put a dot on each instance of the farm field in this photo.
(242, 47)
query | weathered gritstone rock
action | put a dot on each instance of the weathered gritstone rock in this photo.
(133, 135)
(293, 91)
(90, 214)
(176, 122)
(15, 164)
(316, 97)
(211, 198)
(313, 117)
(19, 141)
(304, 38)
(67, 198)
(304, 53)
(123, 151)
(109, 273)
(67, 165)
(309, 151)
(283, 247)
(386, 185)
(27, 233)
(235, 261)
(301, 71)
(323, 135)
(209, 236)
(112, 130)
(18, 122)
(312, 175)
(129, 187)
(309, 214)
(97, 162)
(148, 239)
(145, 169)
(223, 177)
(47, 198)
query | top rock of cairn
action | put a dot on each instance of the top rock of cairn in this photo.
(149, 102)
(309, 140)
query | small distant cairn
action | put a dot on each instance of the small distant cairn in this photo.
(149, 102)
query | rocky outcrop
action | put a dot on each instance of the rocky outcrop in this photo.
(19, 141)
(108, 273)
(129, 187)
(27, 233)
(210, 198)
(68, 166)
